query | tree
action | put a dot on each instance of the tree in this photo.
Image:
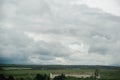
(2, 77)
(46, 77)
(39, 77)
(96, 74)
(61, 77)
(11, 77)
(42, 77)
(21, 78)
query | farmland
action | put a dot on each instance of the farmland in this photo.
(29, 73)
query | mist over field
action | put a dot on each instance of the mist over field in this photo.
(66, 32)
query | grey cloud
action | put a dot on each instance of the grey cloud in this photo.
(61, 24)
(16, 47)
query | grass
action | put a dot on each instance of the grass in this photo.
(110, 73)
(25, 73)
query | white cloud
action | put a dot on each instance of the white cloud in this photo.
(110, 6)
(59, 32)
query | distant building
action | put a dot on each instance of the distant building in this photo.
(72, 75)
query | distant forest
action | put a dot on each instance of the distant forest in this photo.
(59, 66)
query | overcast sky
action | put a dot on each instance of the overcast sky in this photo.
(80, 32)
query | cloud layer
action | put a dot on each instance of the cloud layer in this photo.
(57, 32)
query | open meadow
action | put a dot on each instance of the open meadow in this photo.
(28, 73)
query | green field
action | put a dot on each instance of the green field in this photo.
(104, 73)
(29, 72)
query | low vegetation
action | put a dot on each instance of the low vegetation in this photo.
(17, 73)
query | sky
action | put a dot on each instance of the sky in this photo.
(64, 32)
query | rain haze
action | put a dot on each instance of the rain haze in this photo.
(65, 32)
